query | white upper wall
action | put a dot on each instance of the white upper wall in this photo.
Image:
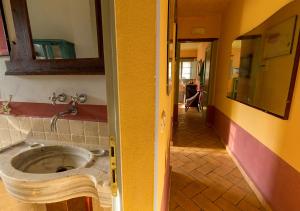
(39, 88)
(74, 21)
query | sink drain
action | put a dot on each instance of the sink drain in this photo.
(64, 168)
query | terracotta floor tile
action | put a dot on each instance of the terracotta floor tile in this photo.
(219, 180)
(207, 168)
(183, 158)
(193, 189)
(177, 163)
(234, 195)
(245, 206)
(214, 192)
(252, 199)
(244, 185)
(205, 204)
(203, 176)
(179, 181)
(185, 202)
(173, 204)
(197, 158)
(190, 166)
(179, 209)
(222, 170)
(236, 172)
(233, 179)
(226, 205)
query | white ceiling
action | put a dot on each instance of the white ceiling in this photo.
(194, 8)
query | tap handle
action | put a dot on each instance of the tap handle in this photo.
(74, 99)
(53, 98)
(5, 108)
(6, 103)
(82, 98)
(61, 98)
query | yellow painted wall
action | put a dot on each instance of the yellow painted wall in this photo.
(235, 56)
(280, 136)
(136, 59)
(165, 104)
(201, 51)
(188, 53)
(210, 23)
(136, 46)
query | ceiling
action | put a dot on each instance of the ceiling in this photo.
(194, 8)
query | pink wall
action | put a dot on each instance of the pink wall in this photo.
(277, 181)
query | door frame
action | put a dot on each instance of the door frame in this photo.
(213, 66)
(112, 87)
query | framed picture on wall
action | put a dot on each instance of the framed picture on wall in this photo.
(4, 47)
(278, 40)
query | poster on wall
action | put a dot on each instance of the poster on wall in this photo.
(4, 51)
(278, 40)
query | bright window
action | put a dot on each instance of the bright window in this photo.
(186, 70)
(170, 70)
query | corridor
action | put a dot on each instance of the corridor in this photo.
(204, 177)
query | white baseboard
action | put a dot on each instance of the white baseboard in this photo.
(259, 196)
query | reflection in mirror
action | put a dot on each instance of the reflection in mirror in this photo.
(264, 64)
(169, 68)
(171, 42)
(63, 29)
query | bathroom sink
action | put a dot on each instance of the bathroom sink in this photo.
(51, 159)
(41, 171)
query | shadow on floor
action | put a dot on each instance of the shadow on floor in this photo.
(203, 176)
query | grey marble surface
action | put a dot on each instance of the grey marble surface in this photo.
(29, 173)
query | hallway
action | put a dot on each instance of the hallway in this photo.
(204, 177)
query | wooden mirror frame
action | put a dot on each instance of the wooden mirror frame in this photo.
(22, 56)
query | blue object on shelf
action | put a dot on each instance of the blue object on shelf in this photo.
(54, 49)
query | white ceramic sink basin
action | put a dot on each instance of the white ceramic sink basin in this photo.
(41, 171)
(52, 159)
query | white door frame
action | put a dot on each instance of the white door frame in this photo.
(112, 87)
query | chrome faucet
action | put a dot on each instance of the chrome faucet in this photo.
(71, 111)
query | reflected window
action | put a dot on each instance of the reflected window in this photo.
(170, 68)
(186, 69)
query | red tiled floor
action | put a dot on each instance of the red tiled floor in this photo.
(204, 177)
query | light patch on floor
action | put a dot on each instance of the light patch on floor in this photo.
(204, 177)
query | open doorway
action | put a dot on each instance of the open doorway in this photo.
(195, 71)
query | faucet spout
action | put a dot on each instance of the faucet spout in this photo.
(53, 126)
(72, 111)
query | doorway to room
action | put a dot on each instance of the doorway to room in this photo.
(195, 75)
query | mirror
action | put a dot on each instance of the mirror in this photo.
(55, 37)
(171, 43)
(63, 29)
(4, 43)
(264, 63)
